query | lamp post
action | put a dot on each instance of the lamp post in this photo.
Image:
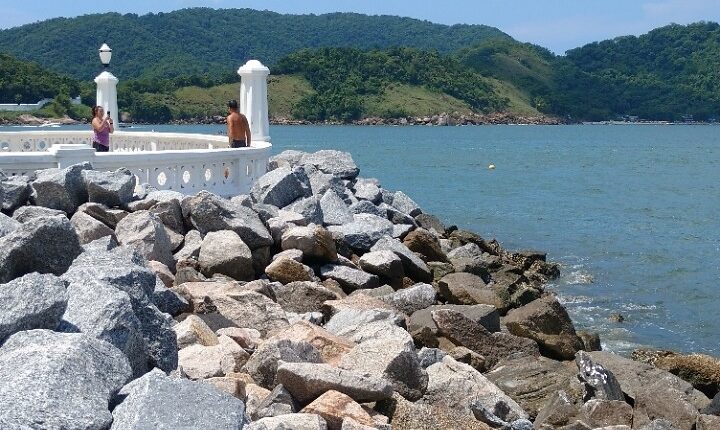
(106, 95)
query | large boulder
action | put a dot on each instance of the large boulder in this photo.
(278, 187)
(286, 270)
(89, 228)
(335, 211)
(193, 330)
(14, 193)
(335, 408)
(170, 213)
(547, 322)
(495, 347)
(59, 380)
(331, 347)
(485, 315)
(349, 279)
(44, 245)
(123, 269)
(532, 381)
(102, 311)
(301, 297)
(405, 204)
(701, 370)
(145, 232)
(468, 289)
(7, 225)
(289, 422)
(315, 242)
(332, 162)
(426, 244)
(308, 208)
(598, 382)
(413, 299)
(392, 361)
(264, 362)
(110, 188)
(203, 362)
(382, 263)
(26, 213)
(656, 392)
(458, 386)
(406, 415)
(413, 266)
(208, 212)
(33, 301)
(251, 310)
(224, 252)
(159, 401)
(364, 231)
(367, 189)
(62, 189)
(307, 381)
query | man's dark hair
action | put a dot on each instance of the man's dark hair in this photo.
(232, 104)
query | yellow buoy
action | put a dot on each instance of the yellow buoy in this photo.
(491, 167)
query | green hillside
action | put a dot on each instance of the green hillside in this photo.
(217, 41)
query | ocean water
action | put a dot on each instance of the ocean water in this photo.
(631, 212)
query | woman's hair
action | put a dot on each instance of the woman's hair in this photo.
(94, 110)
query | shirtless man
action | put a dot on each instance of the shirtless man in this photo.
(238, 129)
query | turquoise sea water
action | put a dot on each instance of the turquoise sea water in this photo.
(632, 212)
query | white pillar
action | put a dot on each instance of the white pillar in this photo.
(107, 94)
(253, 99)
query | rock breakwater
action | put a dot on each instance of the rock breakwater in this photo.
(321, 300)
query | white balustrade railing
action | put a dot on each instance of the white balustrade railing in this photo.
(34, 141)
(181, 162)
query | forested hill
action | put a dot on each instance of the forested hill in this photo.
(24, 82)
(668, 72)
(217, 41)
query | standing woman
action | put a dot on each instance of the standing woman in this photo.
(102, 127)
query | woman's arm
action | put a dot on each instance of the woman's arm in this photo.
(110, 125)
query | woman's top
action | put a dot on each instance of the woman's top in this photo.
(103, 135)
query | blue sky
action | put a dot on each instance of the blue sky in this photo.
(555, 24)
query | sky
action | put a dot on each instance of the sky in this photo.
(558, 25)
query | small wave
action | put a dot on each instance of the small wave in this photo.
(579, 277)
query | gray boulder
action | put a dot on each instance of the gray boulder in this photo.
(485, 315)
(224, 252)
(413, 299)
(405, 204)
(88, 228)
(62, 189)
(336, 163)
(430, 222)
(208, 212)
(367, 207)
(430, 356)
(413, 265)
(279, 187)
(458, 386)
(348, 278)
(321, 182)
(335, 211)
(251, 310)
(7, 225)
(109, 217)
(191, 246)
(123, 269)
(382, 263)
(102, 311)
(159, 401)
(170, 213)
(315, 242)
(37, 365)
(288, 158)
(307, 381)
(14, 193)
(598, 382)
(309, 208)
(290, 422)
(392, 361)
(110, 188)
(26, 213)
(44, 245)
(263, 364)
(364, 231)
(278, 402)
(368, 190)
(145, 232)
(33, 301)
